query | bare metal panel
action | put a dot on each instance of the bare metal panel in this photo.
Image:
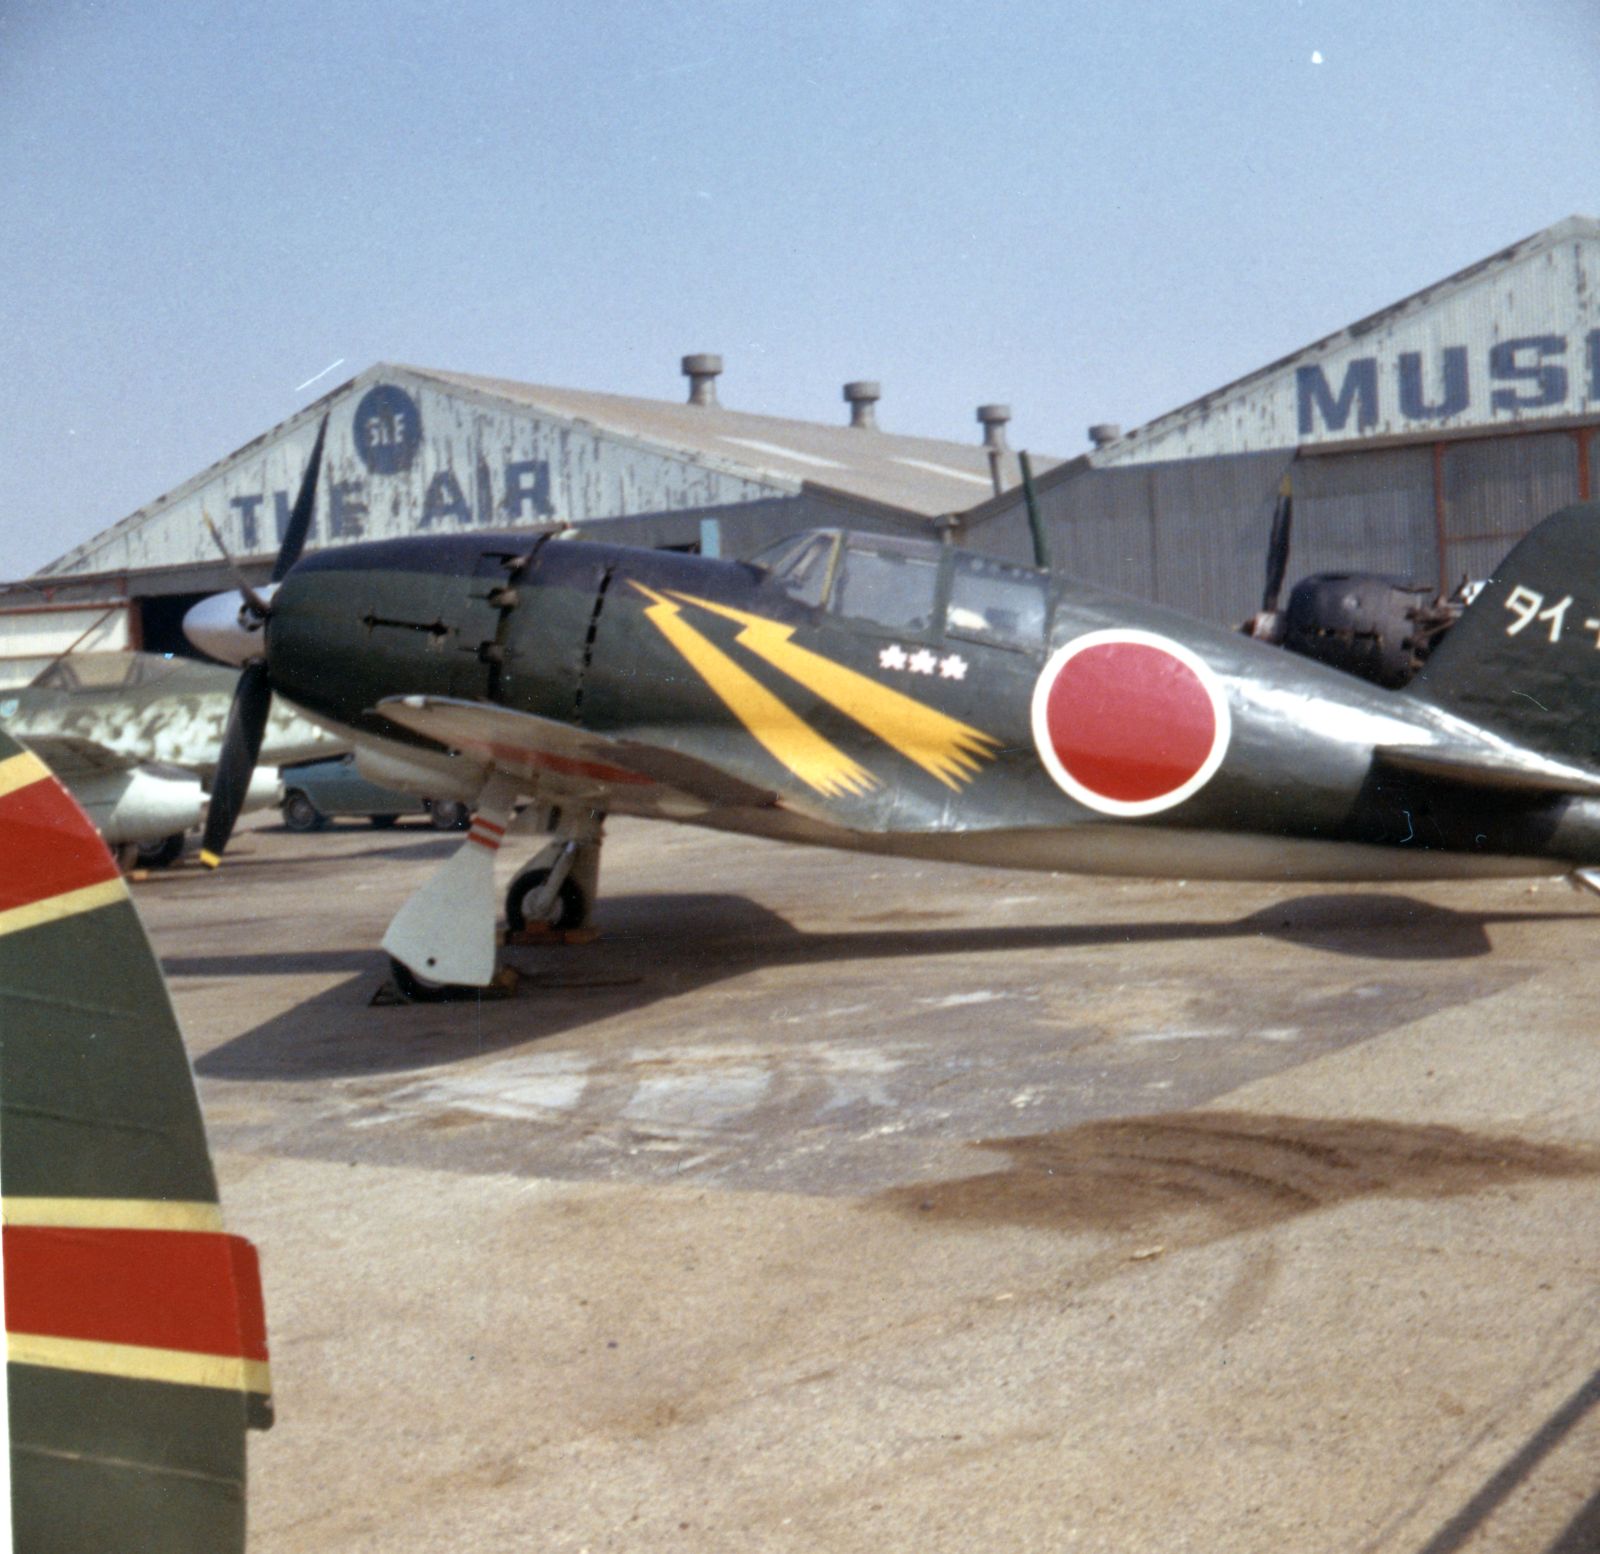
(1365, 512)
(1497, 489)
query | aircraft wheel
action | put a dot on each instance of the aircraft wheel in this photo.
(568, 910)
(300, 814)
(382, 822)
(450, 815)
(415, 989)
(161, 854)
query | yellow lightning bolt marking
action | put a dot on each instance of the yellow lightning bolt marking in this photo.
(942, 746)
(785, 734)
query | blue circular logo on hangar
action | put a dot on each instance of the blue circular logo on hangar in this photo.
(388, 429)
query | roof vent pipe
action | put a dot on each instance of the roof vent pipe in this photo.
(863, 397)
(994, 418)
(701, 371)
(1103, 433)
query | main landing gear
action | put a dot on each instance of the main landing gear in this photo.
(554, 894)
(442, 943)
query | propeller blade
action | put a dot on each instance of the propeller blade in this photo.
(241, 744)
(1278, 548)
(251, 597)
(294, 537)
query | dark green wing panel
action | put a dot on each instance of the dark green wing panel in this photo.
(136, 1342)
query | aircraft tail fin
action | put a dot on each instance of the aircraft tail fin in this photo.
(1523, 662)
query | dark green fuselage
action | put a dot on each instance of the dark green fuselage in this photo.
(564, 630)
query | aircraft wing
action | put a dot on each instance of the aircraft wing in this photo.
(135, 1337)
(1489, 766)
(71, 756)
(560, 758)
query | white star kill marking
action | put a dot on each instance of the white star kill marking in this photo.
(922, 662)
(893, 656)
(953, 668)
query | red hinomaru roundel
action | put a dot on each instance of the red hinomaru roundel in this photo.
(1128, 722)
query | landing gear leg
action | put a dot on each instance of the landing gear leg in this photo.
(556, 891)
(444, 935)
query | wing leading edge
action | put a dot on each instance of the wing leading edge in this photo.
(625, 774)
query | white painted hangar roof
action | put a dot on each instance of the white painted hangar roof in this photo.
(1511, 340)
(604, 455)
(919, 474)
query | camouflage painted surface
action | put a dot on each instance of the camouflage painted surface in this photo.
(147, 708)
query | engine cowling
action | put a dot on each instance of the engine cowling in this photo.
(1380, 628)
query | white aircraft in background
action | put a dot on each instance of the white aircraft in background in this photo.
(136, 738)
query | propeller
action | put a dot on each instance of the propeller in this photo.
(243, 640)
(1278, 548)
(1267, 624)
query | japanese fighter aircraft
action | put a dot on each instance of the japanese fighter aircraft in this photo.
(136, 1342)
(897, 696)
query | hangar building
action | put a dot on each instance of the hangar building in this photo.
(1421, 442)
(417, 451)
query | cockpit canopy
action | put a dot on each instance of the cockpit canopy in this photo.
(912, 587)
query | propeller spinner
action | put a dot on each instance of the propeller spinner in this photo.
(232, 627)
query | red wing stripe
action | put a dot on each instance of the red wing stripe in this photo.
(519, 756)
(194, 1291)
(47, 847)
(480, 824)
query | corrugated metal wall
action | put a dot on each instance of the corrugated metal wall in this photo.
(1495, 491)
(1368, 512)
(1191, 534)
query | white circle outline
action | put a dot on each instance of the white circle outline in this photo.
(1069, 784)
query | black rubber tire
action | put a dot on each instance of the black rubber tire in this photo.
(300, 814)
(382, 822)
(569, 910)
(449, 815)
(418, 990)
(162, 854)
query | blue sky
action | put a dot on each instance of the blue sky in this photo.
(1093, 212)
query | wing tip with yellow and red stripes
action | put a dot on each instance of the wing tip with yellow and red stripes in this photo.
(135, 1327)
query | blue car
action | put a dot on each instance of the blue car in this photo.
(316, 792)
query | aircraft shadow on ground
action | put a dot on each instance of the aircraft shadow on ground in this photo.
(1581, 1535)
(656, 947)
(416, 842)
